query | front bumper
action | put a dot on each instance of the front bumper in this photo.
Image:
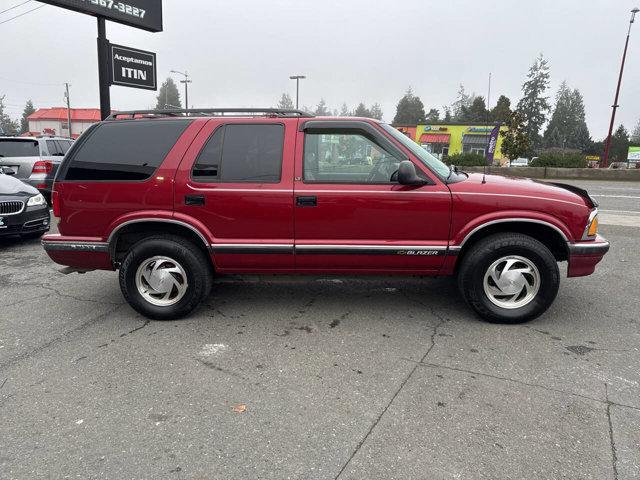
(30, 220)
(584, 256)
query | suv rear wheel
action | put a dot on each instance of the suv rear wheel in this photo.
(509, 278)
(165, 277)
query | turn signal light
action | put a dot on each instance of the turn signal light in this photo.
(42, 166)
(593, 228)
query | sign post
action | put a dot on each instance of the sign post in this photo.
(143, 14)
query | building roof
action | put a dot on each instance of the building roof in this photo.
(60, 113)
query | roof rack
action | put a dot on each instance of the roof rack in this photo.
(209, 112)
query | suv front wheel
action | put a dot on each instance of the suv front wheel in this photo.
(509, 278)
(165, 277)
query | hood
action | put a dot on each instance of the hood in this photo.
(525, 187)
(12, 187)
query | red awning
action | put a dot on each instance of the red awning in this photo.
(434, 138)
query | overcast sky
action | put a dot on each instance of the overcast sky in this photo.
(241, 52)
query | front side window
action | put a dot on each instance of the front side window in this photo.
(347, 157)
(125, 150)
(241, 153)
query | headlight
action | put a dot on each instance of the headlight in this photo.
(36, 201)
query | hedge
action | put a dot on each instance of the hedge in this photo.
(571, 160)
(466, 160)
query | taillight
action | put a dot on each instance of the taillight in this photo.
(55, 201)
(42, 166)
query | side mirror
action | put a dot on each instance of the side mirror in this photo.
(407, 174)
(7, 170)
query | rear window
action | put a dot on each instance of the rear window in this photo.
(19, 148)
(242, 153)
(129, 150)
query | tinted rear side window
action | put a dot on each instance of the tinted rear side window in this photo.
(242, 153)
(129, 150)
(19, 148)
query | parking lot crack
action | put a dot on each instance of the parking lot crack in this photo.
(614, 453)
(441, 322)
(57, 339)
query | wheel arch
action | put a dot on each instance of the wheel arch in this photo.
(549, 234)
(130, 232)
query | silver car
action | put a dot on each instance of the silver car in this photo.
(34, 160)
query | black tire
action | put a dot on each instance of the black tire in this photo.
(193, 261)
(481, 257)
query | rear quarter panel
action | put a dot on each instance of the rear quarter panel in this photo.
(94, 208)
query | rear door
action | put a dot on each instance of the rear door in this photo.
(237, 180)
(351, 215)
(19, 154)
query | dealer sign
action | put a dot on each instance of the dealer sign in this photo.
(131, 67)
(144, 14)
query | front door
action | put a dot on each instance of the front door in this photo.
(351, 214)
(237, 181)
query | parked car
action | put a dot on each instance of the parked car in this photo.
(519, 162)
(23, 210)
(618, 165)
(34, 160)
(170, 201)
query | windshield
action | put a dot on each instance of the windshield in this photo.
(429, 160)
(19, 148)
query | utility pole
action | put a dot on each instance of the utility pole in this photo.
(186, 82)
(297, 78)
(68, 100)
(605, 160)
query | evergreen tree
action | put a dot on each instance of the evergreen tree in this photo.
(344, 111)
(447, 114)
(515, 143)
(410, 110)
(168, 95)
(477, 112)
(635, 136)
(362, 111)
(376, 111)
(28, 110)
(568, 127)
(619, 149)
(534, 105)
(502, 111)
(285, 102)
(7, 126)
(322, 110)
(433, 116)
(461, 105)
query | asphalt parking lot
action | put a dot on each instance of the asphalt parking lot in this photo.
(322, 378)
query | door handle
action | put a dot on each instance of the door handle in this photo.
(307, 201)
(197, 200)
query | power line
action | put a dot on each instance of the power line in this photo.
(23, 14)
(15, 6)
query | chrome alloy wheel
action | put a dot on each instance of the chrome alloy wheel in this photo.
(161, 281)
(511, 282)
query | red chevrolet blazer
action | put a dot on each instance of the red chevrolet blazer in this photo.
(172, 198)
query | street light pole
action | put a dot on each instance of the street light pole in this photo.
(297, 78)
(615, 105)
(186, 82)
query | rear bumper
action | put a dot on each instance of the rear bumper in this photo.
(78, 252)
(584, 256)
